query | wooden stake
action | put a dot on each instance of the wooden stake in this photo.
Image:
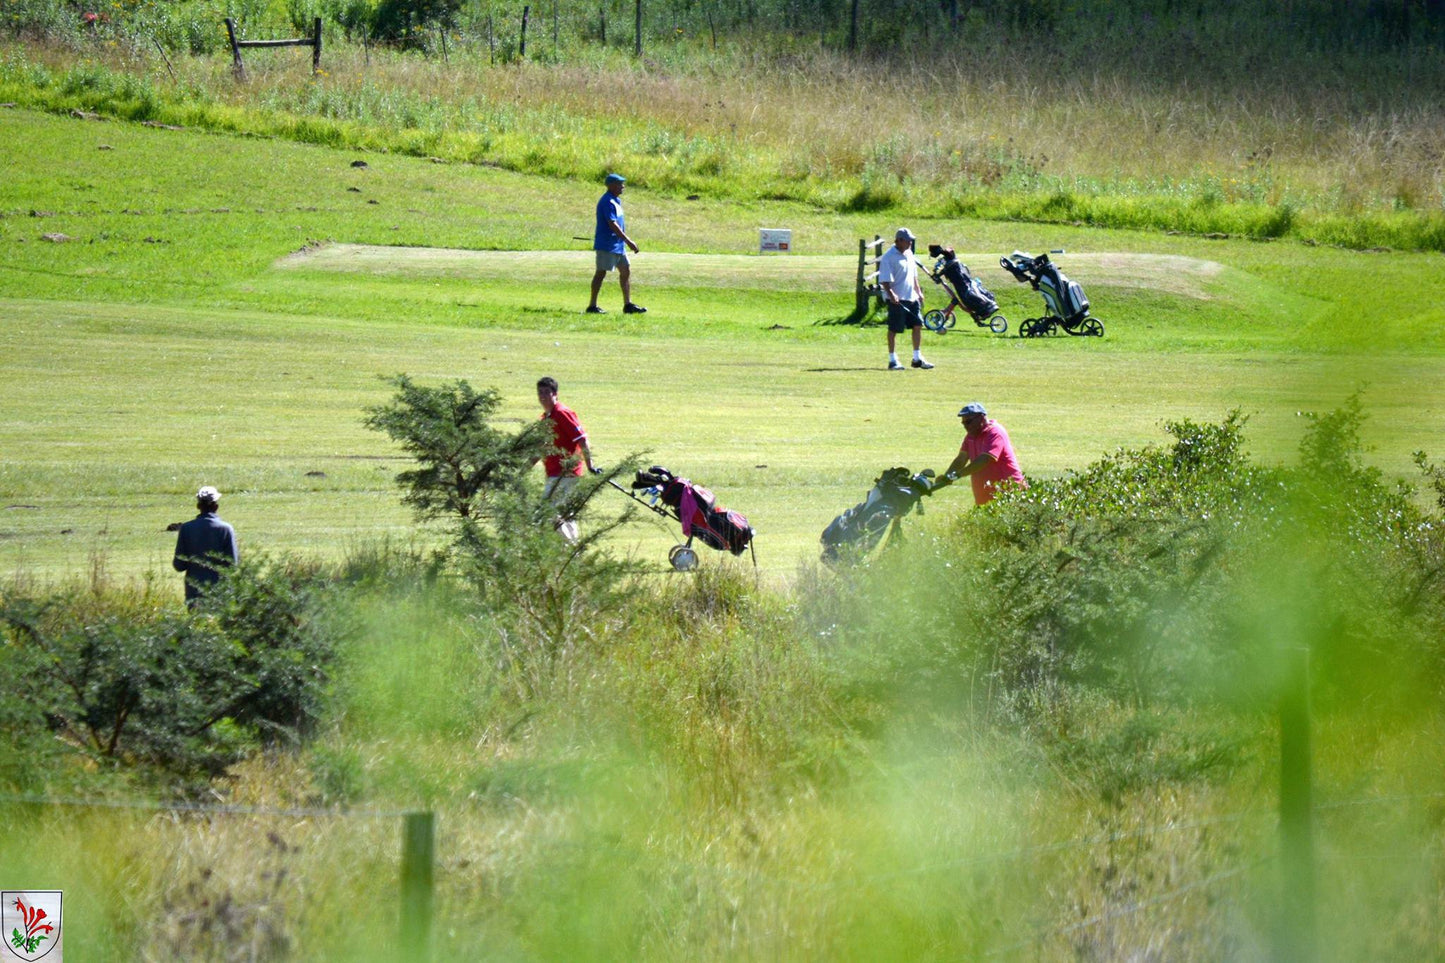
(237, 68)
(418, 855)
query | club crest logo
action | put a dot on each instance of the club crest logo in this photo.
(30, 921)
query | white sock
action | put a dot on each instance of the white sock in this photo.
(892, 357)
(917, 355)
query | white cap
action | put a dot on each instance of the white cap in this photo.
(208, 493)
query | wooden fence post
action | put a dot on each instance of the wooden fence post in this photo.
(522, 46)
(237, 67)
(418, 854)
(637, 31)
(860, 306)
(157, 42)
(1296, 938)
(316, 48)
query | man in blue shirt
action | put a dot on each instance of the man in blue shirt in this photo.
(611, 242)
(204, 546)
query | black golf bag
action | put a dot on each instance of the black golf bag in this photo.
(1064, 300)
(976, 299)
(895, 493)
(964, 291)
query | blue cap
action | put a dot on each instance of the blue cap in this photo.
(616, 179)
(972, 408)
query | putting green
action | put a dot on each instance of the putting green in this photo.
(1174, 274)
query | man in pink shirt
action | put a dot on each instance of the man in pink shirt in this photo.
(986, 455)
(563, 466)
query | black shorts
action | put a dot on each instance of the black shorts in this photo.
(904, 315)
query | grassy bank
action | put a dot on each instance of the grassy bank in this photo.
(1011, 140)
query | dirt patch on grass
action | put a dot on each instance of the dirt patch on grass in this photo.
(1183, 276)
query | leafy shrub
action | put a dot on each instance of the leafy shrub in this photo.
(1166, 574)
(401, 20)
(187, 693)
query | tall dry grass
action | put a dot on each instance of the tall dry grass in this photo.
(822, 126)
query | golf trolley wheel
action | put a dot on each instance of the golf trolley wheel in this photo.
(998, 324)
(682, 558)
(1093, 328)
(935, 320)
(1027, 329)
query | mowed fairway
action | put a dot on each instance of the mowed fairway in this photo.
(193, 340)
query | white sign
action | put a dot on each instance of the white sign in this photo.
(774, 239)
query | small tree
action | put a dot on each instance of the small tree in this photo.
(463, 460)
(188, 693)
(540, 591)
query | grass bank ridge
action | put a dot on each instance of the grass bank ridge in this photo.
(552, 120)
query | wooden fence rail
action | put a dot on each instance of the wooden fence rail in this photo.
(314, 42)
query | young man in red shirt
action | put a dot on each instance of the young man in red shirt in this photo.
(986, 455)
(563, 467)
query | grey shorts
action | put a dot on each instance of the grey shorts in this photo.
(607, 260)
(904, 315)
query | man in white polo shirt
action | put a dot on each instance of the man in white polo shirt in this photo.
(898, 276)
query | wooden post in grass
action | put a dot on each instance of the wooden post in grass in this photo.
(316, 47)
(860, 305)
(853, 26)
(637, 31)
(522, 44)
(237, 68)
(602, 23)
(864, 290)
(157, 42)
(418, 854)
(1296, 938)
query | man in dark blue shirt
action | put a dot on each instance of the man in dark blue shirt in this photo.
(204, 545)
(611, 242)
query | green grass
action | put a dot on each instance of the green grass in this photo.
(140, 368)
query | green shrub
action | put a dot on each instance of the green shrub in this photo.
(1160, 576)
(186, 693)
(540, 595)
